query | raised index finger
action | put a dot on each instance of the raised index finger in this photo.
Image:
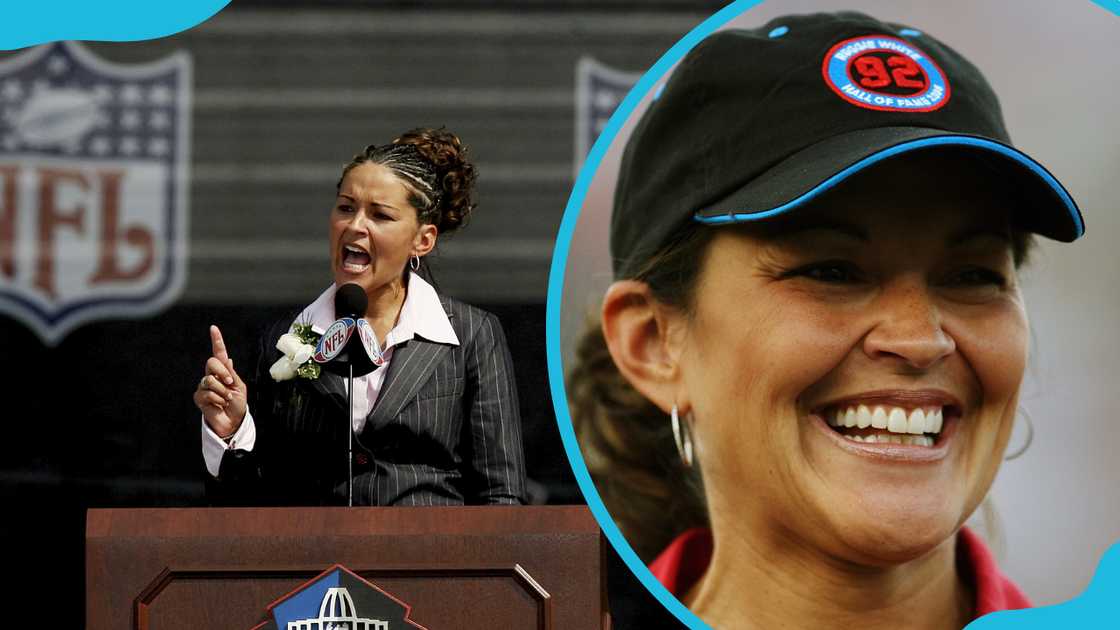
(218, 345)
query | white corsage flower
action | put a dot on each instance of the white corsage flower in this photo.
(283, 369)
(297, 355)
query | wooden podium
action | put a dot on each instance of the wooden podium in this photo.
(459, 567)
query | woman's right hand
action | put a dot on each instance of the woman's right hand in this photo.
(221, 394)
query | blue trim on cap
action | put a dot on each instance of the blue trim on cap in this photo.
(1036, 168)
(778, 32)
(910, 32)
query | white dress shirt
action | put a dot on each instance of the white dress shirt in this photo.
(422, 315)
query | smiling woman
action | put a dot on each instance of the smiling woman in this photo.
(808, 367)
(436, 423)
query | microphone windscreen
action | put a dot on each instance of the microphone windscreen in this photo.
(350, 301)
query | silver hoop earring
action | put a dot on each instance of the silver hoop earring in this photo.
(682, 436)
(1030, 436)
(414, 262)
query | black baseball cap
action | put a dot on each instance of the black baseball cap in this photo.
(756, 123)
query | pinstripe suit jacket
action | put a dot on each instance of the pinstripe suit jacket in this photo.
(445, 429)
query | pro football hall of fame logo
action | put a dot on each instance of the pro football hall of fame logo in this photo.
(338, 599)
(93, 186)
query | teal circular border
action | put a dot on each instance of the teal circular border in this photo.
(555, 296)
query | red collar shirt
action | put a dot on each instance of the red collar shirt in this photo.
(683, 562)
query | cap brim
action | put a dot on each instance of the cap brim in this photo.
(1048, 209)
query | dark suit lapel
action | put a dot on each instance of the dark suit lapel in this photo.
(411, 366)
(331, 386)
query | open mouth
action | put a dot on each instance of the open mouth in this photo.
(889, 424)
(355, 259)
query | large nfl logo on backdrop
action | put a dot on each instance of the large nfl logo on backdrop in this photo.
(93, 186)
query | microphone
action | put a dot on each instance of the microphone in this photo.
(339, 349)
(350, 301)
(349, 355)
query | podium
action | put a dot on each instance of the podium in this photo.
(456, 567)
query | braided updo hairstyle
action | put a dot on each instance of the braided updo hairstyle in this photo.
(433, 164)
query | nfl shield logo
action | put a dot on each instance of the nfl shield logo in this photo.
(93, 186)
(599, 90)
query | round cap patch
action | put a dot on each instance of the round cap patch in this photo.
(885, 73)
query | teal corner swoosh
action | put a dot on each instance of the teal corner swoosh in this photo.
(656, 73)
(1095, 608)
(1111, 5)
(31, 22)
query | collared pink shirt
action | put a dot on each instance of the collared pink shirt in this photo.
(683, 562)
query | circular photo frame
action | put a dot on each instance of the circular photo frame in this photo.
(840, 154)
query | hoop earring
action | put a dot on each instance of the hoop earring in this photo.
(1030, 436)
(414, 262)
(682, 436)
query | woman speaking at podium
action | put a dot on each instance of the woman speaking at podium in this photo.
(436, 423)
